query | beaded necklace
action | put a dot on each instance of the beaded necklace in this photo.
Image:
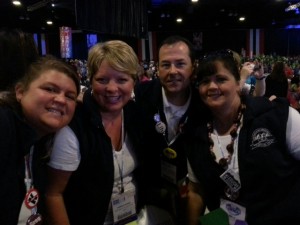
(233, 133)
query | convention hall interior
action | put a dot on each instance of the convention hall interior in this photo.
(254, 26)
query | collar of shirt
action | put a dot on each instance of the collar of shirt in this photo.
(173, 114)
(173, 110)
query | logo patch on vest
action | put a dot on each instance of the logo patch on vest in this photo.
(262, 137)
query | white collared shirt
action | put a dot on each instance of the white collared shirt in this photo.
(173, 114)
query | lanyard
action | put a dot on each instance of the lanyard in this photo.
(233, 163)
(179, 131)
(161, 128)
(121, 167)
(28, 169)
(32, 195)
(235, 166)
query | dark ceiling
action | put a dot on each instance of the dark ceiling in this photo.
(32, 14)
(204, 14)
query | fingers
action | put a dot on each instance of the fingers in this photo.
(246, 70)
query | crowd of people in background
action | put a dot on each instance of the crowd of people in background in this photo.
(291, 70)
(267, 61)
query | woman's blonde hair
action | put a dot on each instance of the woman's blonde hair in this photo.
(118, 54)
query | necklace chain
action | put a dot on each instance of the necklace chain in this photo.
(233, 133)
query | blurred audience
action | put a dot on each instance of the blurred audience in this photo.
(276, 82)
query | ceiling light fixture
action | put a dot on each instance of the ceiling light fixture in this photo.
(242, 18)
(17, 3)
(293, 7)
(49, 22)
(179, 20)
(194, 0)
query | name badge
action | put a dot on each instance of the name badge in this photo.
(235, 212)
(168, 172)
(232, 180)
(123, 206)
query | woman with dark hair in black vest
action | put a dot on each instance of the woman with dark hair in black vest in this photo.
(245, 158)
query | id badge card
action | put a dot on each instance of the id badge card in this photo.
(168, 171)
(123, 206)
(235, 212)
(232, 180)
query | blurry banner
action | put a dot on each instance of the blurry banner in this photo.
(142, 49)
(65, 42)
(147, 49)
(91, 39)
(255, 42)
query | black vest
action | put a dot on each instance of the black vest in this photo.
(149, 99)
(269, 174)
(89, 190)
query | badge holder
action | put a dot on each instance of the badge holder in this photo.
(31, 200)
(233, 184)
(124, 208)
(235, 211)
(32, 196)
(168, 170)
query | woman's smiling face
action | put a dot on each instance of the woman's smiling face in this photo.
(112, 89)
(48, 104)
(216, 90)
